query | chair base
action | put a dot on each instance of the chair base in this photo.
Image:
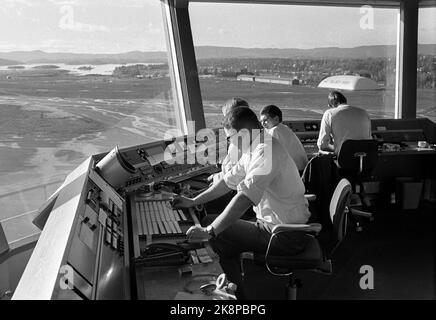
(292, 287)
(359, 212)
(356, 209)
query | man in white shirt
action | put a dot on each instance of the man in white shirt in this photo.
(266, 178)
(271, 119)
(227, 162)
(231, 158)
(342, 122)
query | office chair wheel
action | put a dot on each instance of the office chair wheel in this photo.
(298, 283)
(292, 287)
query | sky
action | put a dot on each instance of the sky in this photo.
(114, 26)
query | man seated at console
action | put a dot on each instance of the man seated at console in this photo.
(267, 179)
(227, 163)
(342, 122)
(271, 119)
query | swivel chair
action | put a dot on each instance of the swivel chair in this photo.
(355, 161)
(315, 256)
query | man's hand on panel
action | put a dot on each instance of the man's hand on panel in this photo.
(179, 202)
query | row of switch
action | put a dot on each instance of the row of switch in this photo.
(113, 235)
(176, 170)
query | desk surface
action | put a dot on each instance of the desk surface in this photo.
(163, 283)
(409, 150)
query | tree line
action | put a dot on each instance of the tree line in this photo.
(312, 71)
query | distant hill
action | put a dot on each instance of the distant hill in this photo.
(380, 51)
(208, 52)
(6, 62)
(83, 58)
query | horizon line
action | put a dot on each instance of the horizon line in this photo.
(211, 46)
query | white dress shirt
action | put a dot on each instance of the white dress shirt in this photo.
(269, 178)
(227, 164)
(291, 144)
(342, 123)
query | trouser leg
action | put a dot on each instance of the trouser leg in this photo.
(242, 236)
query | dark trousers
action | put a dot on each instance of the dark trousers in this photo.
(250, 236)
(241, 236)
(320, 178)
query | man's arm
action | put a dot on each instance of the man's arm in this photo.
(324, 138)
(234, 210)
(215, 191)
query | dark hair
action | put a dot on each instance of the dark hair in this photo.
(238, 102)
(272, 111)
(337, 97)
(234, 103)
(241, 118)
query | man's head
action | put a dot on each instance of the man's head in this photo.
(336, 98)
(270, 116)
(240, 122)
(233, 103)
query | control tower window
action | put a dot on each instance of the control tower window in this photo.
(426, 69)
(76, 79)
(279, 54)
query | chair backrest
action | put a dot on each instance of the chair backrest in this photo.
(338, 207)
(348, 157)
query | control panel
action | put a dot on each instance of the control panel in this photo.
(172, 161)
(98, 243)
(387, 131)
(307, 132)
(98, 240)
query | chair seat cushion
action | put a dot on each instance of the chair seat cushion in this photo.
(309, 258)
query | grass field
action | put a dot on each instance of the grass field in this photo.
(300, 102)
(50, 121)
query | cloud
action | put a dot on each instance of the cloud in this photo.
(107, 3)
(222, 31)
(19, 2)
(68, 22)
(152, 29)
(83, 27)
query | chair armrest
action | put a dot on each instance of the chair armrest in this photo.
(324, 152)
(310, 197)
(248, 255)
(362, 213)
(309, 228)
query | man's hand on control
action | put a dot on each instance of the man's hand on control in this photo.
(182, 202)
(197, 234)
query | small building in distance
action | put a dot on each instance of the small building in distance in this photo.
(349, 82)
(268, 79)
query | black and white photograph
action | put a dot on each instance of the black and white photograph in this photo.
(217, 154)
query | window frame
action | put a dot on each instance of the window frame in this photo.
(407, 29)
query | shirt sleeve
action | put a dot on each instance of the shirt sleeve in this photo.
(261, 171)
(226, 165)
(370, 129)
(274, 132)
(217, 177)
(325, 131)
(234, 175)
